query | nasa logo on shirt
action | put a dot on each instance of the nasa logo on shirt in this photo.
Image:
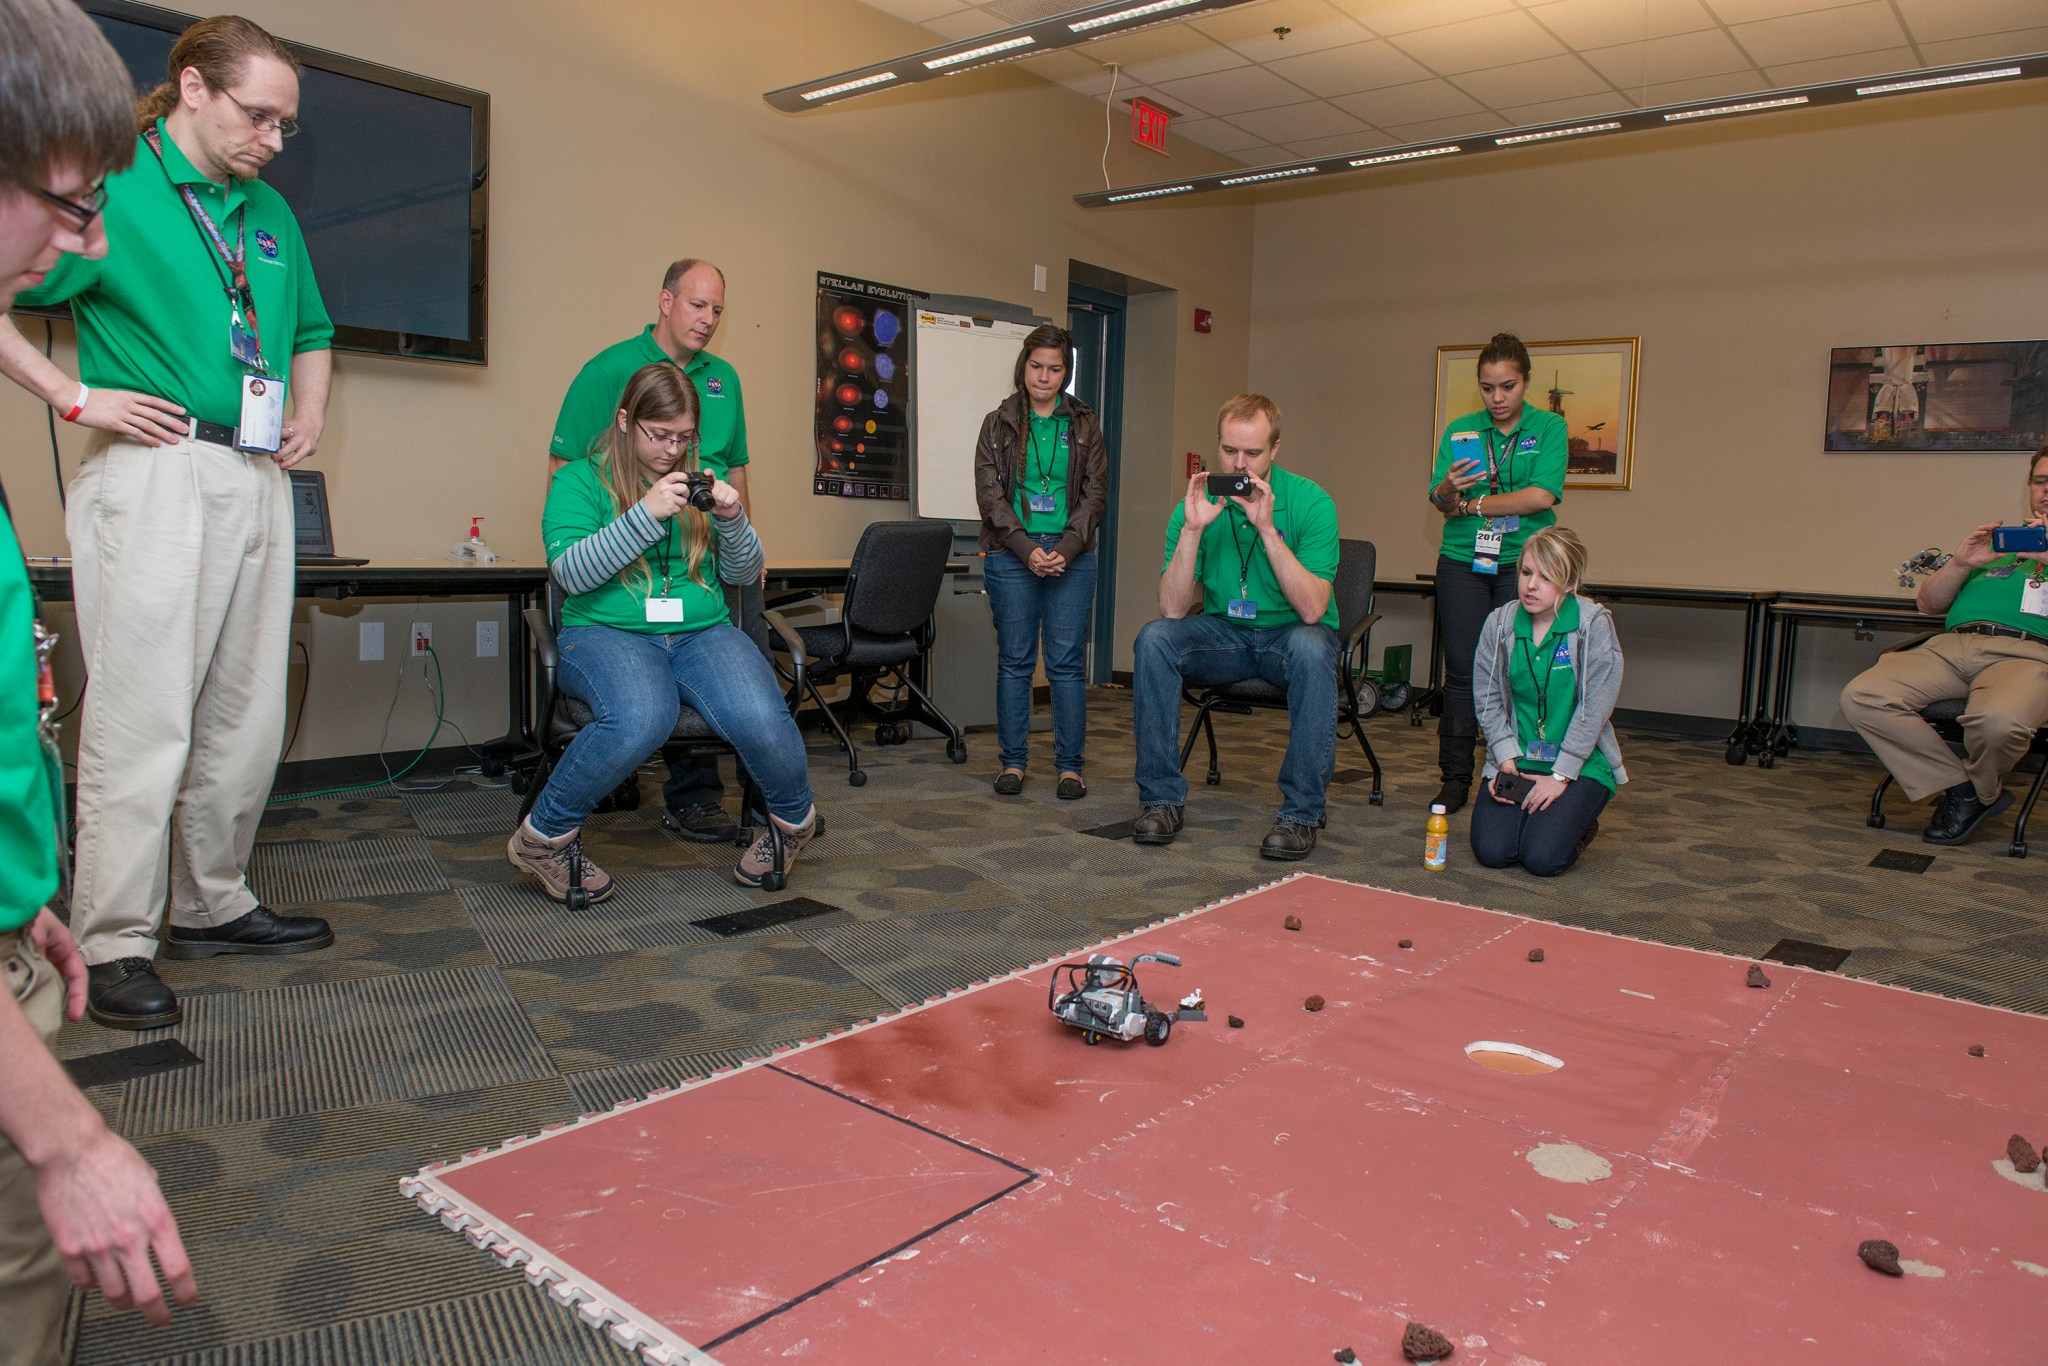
(1528, 444)
(267, 244)
(714, 386)
(1563, 656)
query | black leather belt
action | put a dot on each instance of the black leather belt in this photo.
(216, 434)
(1988, 628)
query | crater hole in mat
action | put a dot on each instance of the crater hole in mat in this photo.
(1512, 1058)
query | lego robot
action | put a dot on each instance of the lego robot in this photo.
(1100, 998)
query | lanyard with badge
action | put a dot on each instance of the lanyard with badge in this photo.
(1043, 500)
(2034, 597)
(1541, 750)
(1243, 607)
(662, 608)
(1487, 542)
(262, 426)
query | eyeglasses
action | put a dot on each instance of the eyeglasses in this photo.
(81, 212)
(675, 441)
(266, 123)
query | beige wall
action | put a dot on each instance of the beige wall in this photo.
(630, 132)
(1739, 254)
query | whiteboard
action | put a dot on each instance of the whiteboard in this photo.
(964, 369)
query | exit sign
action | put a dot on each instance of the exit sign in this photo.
(1148, 125)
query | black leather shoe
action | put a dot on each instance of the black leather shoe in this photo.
(1071, 789)
(1286, 840)
(1156, 825)
(1451, 796)
(706, 822)
(260, 932)
(1009, 783)
(1959, 815)
(127, 994)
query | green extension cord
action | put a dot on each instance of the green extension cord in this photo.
(440, 711)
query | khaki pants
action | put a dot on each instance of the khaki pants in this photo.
(2006, 682)
(33, 1284)
(182, 563)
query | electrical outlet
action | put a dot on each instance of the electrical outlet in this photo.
(487, 640)
(422, 637)
(370, 640)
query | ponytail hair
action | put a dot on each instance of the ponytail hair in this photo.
(220, 50)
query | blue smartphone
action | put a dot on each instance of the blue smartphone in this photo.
(2007, 540)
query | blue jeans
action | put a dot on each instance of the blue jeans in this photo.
(693, 778)
(635, 684)
(1205, 650)
(1025, 607)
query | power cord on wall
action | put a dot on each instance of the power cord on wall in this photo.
(1108, 106)
(390, 778)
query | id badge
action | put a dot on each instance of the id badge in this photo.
(1042, 502)
(242, 344)
(1487, 542)
(1485, 564)
(1543, 751)
(262, 425)
(2034, 598)
(1511, 522)
(664, 609)
(1243, 609)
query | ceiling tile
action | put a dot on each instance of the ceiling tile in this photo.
(1547, 78)
(1298, 122)
(1025, 11)
(1263, 154)
(966, 23)
(1880, 63)
(1232, 92)
(1603, 23)
(1195, 61)
(1405, 16)
(1162, 44)
(1316, 148)
(1407, 103)
(1345, 70)
(1496, 40)
(916, 11)
(1313, 25)
(1217, 135)
(1744, 82)
(2015, 44)
(1559, 111)
(1065, 65)
(1680, 57)
(1936, 20)
(1744, 11)
(1431, 130)
(1825, 33)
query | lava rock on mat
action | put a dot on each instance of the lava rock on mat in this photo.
(1344, 1355)
(1313, 1003)
(1235, 1023)
(1419, 1342)
(1976, 1050)
(2024, 1158)
(1756, 976)
(1535, 955)
(1880, 1255)
(1292, 922)
(1406, 944)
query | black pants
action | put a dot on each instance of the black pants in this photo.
(1463, 600)
(1545, 842)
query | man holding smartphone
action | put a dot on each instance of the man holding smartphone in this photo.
(1994, 652)
(1245, 594)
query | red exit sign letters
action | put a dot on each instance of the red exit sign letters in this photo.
(1148, 125)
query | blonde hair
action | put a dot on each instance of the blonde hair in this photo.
(1559, 555)
(1245, 407)
(660, 392)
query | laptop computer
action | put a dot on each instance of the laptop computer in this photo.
(311, 520)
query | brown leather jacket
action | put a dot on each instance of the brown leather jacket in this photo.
(999, 464)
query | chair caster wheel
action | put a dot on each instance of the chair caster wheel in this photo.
(1874, 822)
(888, 733)
(519, 783)
(1415, 719)
(1736, 754)
(576, 899)
(956, 750)
(629, 798)
(1378, 799)
(857, 778)
(773, 882)
(2019, 849)
(1215, 780)
(1767, 760)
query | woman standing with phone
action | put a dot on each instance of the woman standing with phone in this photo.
(1547, 673)
(1040, 477)
(1499, 476)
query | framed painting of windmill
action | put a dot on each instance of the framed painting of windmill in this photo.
(1590, 384)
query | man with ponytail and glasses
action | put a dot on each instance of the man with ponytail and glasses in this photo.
(202, 347)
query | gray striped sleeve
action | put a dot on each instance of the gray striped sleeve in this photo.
(739, 549)
(596, 560)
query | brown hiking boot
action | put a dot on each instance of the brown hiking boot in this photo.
(756, 867)
(547, 860)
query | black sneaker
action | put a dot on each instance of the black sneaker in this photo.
(1960, 813)
(1156, 825)
(706, 822)
(1286, 840)
(127, 994)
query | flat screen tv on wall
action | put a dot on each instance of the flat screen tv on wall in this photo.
(389, 178)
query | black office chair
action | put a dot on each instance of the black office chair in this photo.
(1357, 697)
(562, 715)
(885, 627)
(1946, 716)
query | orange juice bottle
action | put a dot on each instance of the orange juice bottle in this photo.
(1436, 846)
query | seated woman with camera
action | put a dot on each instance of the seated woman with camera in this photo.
(640, 540)
(1545, 680)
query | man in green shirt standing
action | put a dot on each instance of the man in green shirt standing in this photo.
(74, 1197)
(192, 330)
(686, 317)
(1245, 594)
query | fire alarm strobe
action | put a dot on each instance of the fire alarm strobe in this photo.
(1202, 319)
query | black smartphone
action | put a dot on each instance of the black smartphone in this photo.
(1230, 486)
(1513, 787)
(2006, 540)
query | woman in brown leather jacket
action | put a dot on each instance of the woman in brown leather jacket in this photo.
(1041, 477)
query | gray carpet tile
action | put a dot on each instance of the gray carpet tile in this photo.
(296, 872)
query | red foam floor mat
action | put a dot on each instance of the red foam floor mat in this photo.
(969, 1181)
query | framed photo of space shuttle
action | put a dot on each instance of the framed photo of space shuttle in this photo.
(1590, 384)
(1962, 397)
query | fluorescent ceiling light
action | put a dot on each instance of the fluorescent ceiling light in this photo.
(844, 86)
(1134, 12)
(1150, 194)
(1550, 133)
(1405, 156)
(1746, 107)
(1928, 83)
(985, 50)
(1268, 175)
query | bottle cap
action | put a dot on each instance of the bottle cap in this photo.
(1436, 809)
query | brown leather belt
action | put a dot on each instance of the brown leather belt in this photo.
(1992, 628)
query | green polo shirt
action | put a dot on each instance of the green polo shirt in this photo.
(1231, 552)
(1531, 456)
(593, 401)
(579, 504)
(1992, 593)
(1544, 683)
(1046, 461)
(153, 314)
(28, 822)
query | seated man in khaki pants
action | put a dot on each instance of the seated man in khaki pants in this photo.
(1994, 652)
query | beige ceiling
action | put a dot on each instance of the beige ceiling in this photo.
(1357, 74)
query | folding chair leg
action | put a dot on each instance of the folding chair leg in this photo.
(541, 770)
(1194, 730)
(1378, 797)
(1875, 820)
(2018, 848)
(1209, 730)
(853, 773)
(923, 709)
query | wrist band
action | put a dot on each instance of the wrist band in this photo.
(78, 404)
